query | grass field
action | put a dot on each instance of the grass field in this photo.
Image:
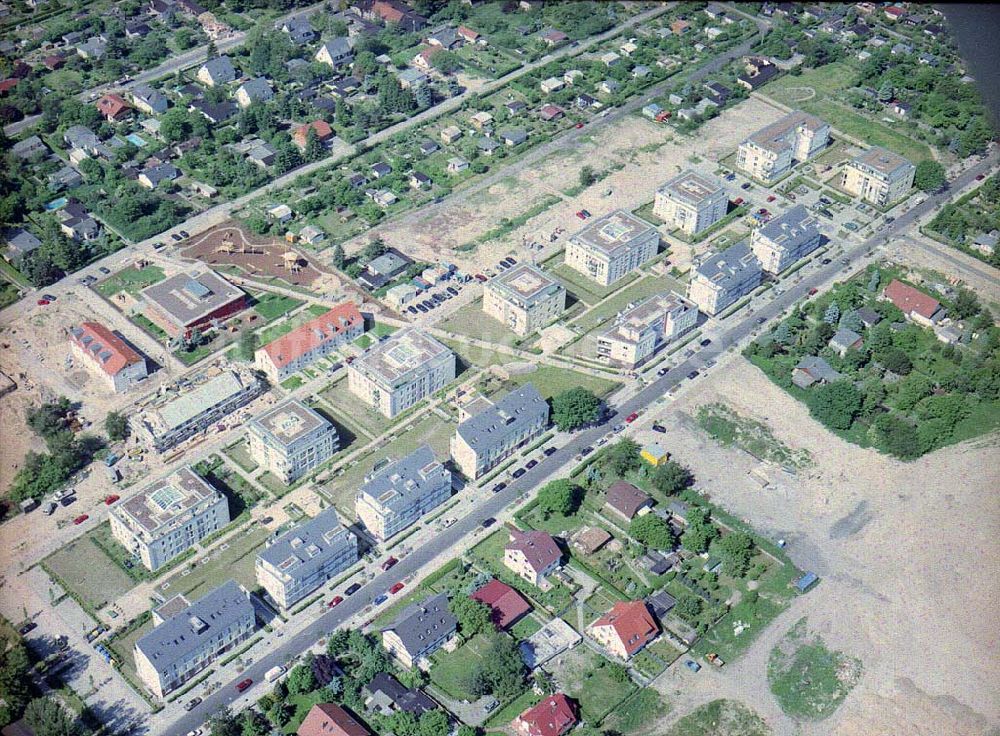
(471, 321)
(586, 676)
(551, 380)
(123, 647)
(273, 331)
(451, 669)
(583, 288)
(131, 279)
(361, 417)
(271, 306)
(728, 428)
(808, 680)
(236, 561)
(240, 454)
(827, 82)
(636, 292)
(638, 711)
(720, 718)
(89, 573)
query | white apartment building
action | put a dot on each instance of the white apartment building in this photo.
(166, 518)
(768, 154)
(724, 277)
(878, 176)
(639, 332)
(785, 239)
(395, 374)
(612, 246)
(396, 496)
(291, 439)
(691, 202)
(299, 561)
(311, 341)
(524, 299)
(483, 441)
(187, 637)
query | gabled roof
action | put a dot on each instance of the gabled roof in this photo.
(220, 69)
(329, 719)
(111, 106)
(554, 716)
(506, 604)
(912, 300)
(539, 548)
(312, 334)
(424, 622)
(633, 624)
(626, 499)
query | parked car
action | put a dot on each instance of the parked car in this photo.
(452, 290)
(184, 233)
(980, 177)
(586, 451)
(738, 201)
(519, 472)
(549, 451)
(411, 309)
(389, 563)
(353, 589)
(175, 237)
(579, 125)
(826, 261)
(243, 684)
(104, 270)
(745, 185)
(111, 499)
(380, 599)
(396, 588)
(706, 342)
(761, 320)
(659, 428)
(631, 417)
(480, 278)
(531, 464)
(692, 665)
(499, 487)
(488, 522)
(437, 298)
(43, 302)
(693, 375)
(813, 291)
(421, 308)
(771, 198)
(192, 704)
(50, 297)
(335, 601)
(30, 626)
(81, 518)
(511, 260)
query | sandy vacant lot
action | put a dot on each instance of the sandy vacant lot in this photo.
(908, 557)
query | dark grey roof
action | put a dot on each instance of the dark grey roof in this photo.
(216, 112)
(508, 417)
(792, 229)
(661, 603)
(163, 172)
(336, 47)
(728, 267)
(514, 135)
(182, 634)
(221, 69)
(302, 550)
(409, 477)
(258, 88)
(818, 368)
(410, 700)
(21, 241)
(424, 622)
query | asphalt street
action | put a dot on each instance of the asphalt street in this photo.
(448, 538)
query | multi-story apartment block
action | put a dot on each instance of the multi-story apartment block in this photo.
(524, 299)
(785, 239)
(313, 340)
(396, 496)
(533, 555)
(721, 279)
(691, 202)
(291, 439)
(188, 637)
(878, 176)
(638, 332)
(116, 362)
(198, 409)
(420, 630)
(395, 374)
(164, 519)
(299, 561)
(612, 246)
(768, 154)
(486, 439)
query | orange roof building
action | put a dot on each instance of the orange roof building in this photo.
(915, 304)
(323, 132)
(113, 108)
(554, 716)
(625, 629)
(506, 604)
(108, 355)
(329, 719)
(313, 340)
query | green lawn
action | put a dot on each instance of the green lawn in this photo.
(513, 709)
(124, 646)
(551, 380)
(236, 561)
(471, 321)
(636, 292)
(638, 711)
(270, 306)
(131, 280)
(586, 676)
(525, 628)
(87, 572)
(584, 288)
(720, 718)
(451, 669)
(302, 704)
(240, 454)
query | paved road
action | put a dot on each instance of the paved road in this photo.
(732, 334)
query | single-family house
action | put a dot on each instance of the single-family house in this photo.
(64, 178)
(470, 36)
(420, 630)
(625, 629)
(425, 59)
(515, 107)
(153, 176)
(214, 112)
(254, 90)
(533, 555)
(553, 37)
(320, 128)
(916, 305)
(446, 38)
(19, 242)
(149, 100)
(513, 136)
(30, 148)
(411, 78)
(609, 86)
(216, 72)
(262, 154)
(93, 48)
(427, 147)
(507, 606)
(552, 84)
(626, 501)
(451, 134)
(549, 113)
(813, 369)
(844, 340)
(336, 52)
(555, 715)
(380, 169)
(299, 30)
(482, 120)
(420, 180)
(487, 146)
(609, 58)
(113, 108)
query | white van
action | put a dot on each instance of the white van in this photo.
(274, 673)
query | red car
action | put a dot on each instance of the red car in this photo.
(813, 291)
(480, 278)
(111, 499)
(43, 302)
(980, 177)
(81, 518)
(396, 588)
(243, 684)
(335, 601)
(631, 417)
(579, 125)
(389, 563)
(581, 215)
(738, 201)
(771, 198)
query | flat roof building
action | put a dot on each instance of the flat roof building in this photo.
(638, 332)
(184, 644)
(485, 440)
(878, 176)
(524, 299)
(612, 246)
(169, 516)
(185, 301)
(299, 561)
(768, 154)
(785, 239)
(196, 410)
(396, 496)
(394, 375)
(292, 439)
(721, 279)
(108, 356)
(691, 202)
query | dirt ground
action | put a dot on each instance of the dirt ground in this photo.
(650, 156)
(906, 552)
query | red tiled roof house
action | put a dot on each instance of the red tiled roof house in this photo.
(113, 108)
(107, 355)
(506, 604)
(323, 133)
(533, 555)
(329, 719)
(554, 716)
(625, 629)
(916, 305)
(314, 339)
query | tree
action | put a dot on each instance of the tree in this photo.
(446, 62)
(700, 530)
(175, 125)
(469, 731)
(116, 426)
(47, 717)
(373, 250)
(966, 304)
(337, 258)
(897, 361)
(652, 531)
(280, 713)
(623, 457)
(473, 617)
(559, 497)
(688, 607)
(247, 345)
(893, 434)
(832, 314)
(338, 643)
(500, 671)
(886, 92)
(587, 176)
(301, 680)
(835, 404)
(433, 723)
(929, 176)
(671, 478)
(736, 551)
(224, 723)
(574, 408)
(15, 666)
(255, 724)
